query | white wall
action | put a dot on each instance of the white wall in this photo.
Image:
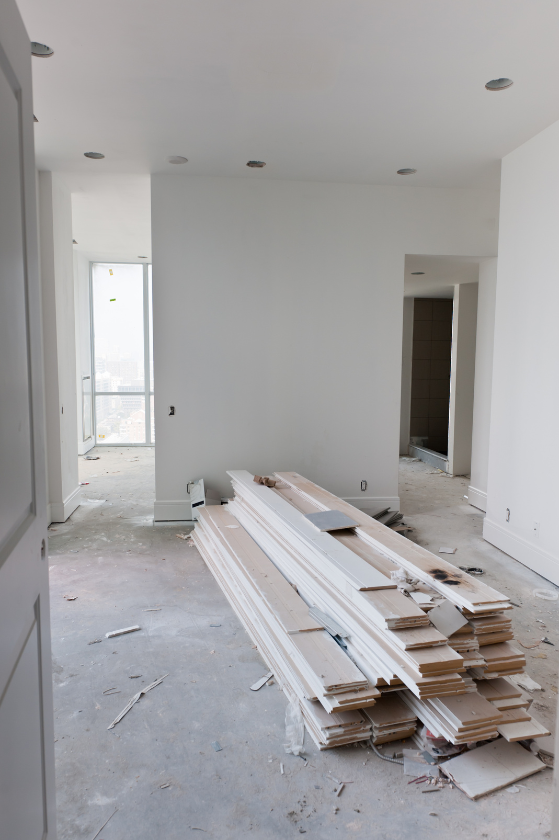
(278, 326)
(83, 343)
(486, 312)
(461, 396)
(406, 373)
(523, 455)
(57, 289)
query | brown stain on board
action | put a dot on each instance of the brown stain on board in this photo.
(448, 578)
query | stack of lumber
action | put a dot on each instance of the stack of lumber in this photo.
(358, 655)
(304, 658)
(460, 720)
(335, 729)
(491, 629)
(391, 719)
(359, 594)
(503, 694)
(500, 660)
(471, 595)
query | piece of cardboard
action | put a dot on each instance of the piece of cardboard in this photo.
(330, 520)
(447, 619)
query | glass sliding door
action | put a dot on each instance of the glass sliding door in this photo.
(122, 354)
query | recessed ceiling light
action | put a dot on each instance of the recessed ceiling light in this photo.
(177, 159)
(94, 155)
(256, 164)
(41, 50)
(498, 84)
(417, 272)
(406, 171)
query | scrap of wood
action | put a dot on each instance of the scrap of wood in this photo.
(104, 824)
(262, 681)
(135, 699)
(121, 632)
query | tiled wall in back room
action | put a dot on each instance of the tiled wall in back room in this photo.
(431, 368)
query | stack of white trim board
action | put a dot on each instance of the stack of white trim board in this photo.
(325, 611)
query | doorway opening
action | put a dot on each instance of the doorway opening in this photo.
(431, 369)
(439, 350)
(122, 353)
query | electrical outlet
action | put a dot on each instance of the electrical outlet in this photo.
(363, 485)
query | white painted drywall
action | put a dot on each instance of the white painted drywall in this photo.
(57, 289)
(278, 326)
(523, 455)
(461, 396)
(486, 312)
(406, 368)
(83, 343)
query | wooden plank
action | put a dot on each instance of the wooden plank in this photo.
(451, 582)
(491, 767)
(317, 656)
(332, 666)
(522, 731)
(289, 608)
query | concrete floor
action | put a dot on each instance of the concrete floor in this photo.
(119, 565)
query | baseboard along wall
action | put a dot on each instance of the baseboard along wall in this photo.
(477, 498)
(60, 511)
(522, 550)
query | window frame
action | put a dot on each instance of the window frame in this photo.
(147, 393)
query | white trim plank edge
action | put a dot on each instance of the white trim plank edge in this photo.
(355, 571)
(455, 585)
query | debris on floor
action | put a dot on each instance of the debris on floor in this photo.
(135, 699)
(104, 824)
(447, 550)
(123, 631)
(546, 594)
(261, 682)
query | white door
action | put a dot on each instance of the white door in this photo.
(27, 796)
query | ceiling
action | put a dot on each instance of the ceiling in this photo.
(441, 274)
(329, 90)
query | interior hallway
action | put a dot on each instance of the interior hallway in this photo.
(118, 564)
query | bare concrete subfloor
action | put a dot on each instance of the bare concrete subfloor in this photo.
(158, 766)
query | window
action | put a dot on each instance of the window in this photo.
(123, 380)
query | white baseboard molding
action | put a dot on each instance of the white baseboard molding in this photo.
(372, 504)
(173, 511)
(522, 550)
(85, 446)
(477, 498)
(60, 511)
